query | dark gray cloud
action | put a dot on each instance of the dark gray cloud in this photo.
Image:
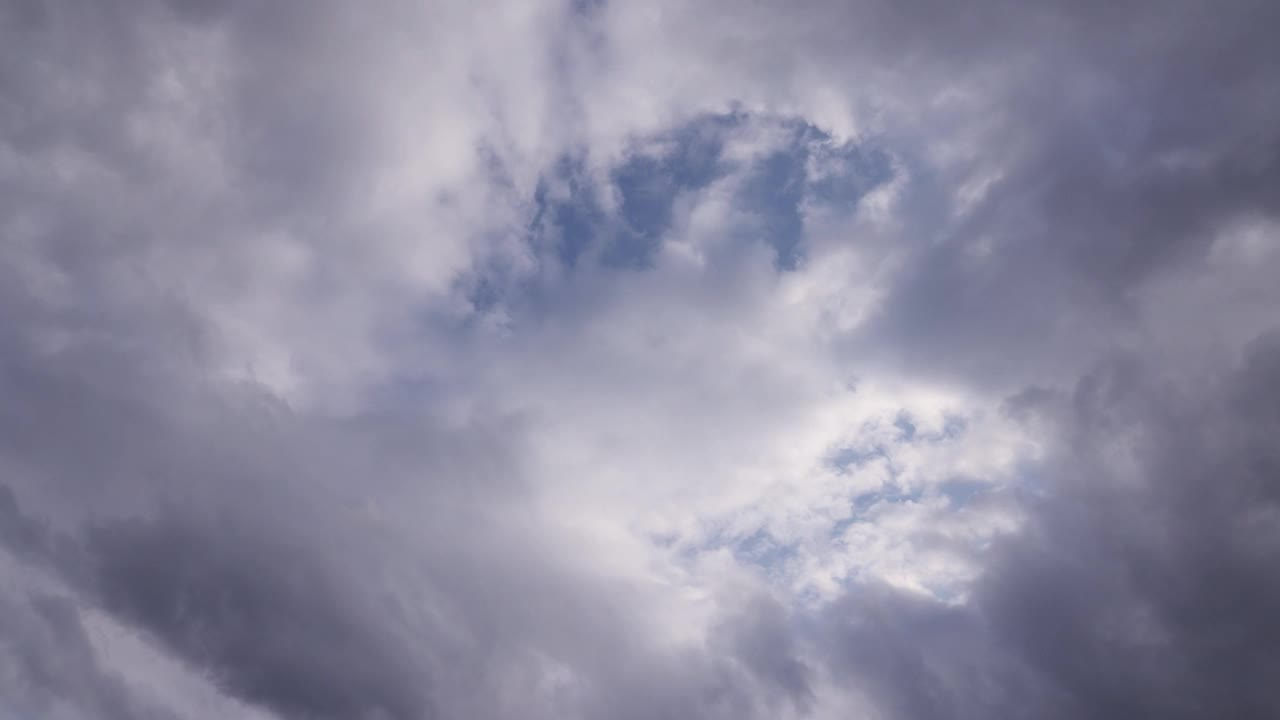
(270, 625)
(1121, 143)
(269, 555)
(1140, 586)
(49, 666)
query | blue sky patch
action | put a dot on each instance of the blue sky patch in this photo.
(809, 168)
(582, 220)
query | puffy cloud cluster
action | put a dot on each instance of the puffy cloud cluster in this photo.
(629, 360)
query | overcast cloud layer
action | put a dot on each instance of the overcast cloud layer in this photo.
(630, 360)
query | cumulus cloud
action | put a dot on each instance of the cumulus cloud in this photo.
(633, 360)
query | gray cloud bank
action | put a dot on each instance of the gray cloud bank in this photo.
(364, 360)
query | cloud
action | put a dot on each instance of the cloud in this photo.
(613, 360)
(1139, 583)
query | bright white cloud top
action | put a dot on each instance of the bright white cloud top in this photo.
(398, 360)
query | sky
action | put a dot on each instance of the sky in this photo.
(501, 359)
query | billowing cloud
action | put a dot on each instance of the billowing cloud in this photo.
(633, 360)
